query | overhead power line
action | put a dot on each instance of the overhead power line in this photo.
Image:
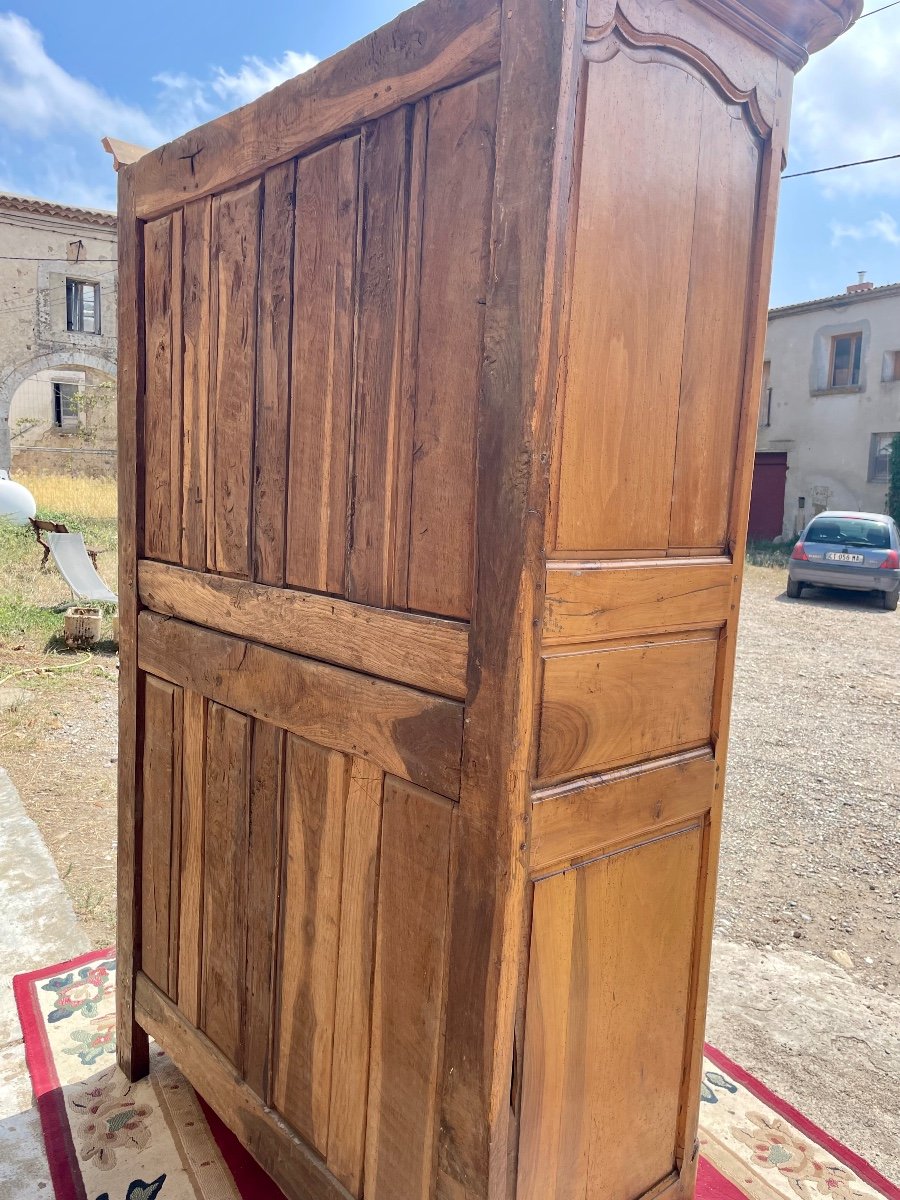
(841, 166)
(893, 4)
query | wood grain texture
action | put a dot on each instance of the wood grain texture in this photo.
(195, 399)
(616, 453)
(264, 844)
(422, 651)
(161, 806)
(297, 1170)
(132, 1053)
(225, 881)
(235, 255)
(421, 51)
(353, 998)
(193, 781)
(273, 367)
(408, 1002)
(625, 927)
(588, 601)
(322, 351)
(384, 198)
(605, 707)
(315, 796)
(459, 172)
(162, 411)
(577, 820)
(712, 372)
(405, 731)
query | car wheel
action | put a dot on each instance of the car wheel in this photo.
(889, 600)
(795, 589)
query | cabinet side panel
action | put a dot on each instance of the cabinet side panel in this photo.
(162, 406)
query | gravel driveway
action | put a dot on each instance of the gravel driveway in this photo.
(809, 885)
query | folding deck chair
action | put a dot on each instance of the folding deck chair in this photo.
(71, 557)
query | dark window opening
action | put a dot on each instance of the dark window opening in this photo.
(82, 306)
(65, 410)
(846, 357)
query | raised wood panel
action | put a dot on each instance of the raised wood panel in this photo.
(322, 349)
(193, 782)
(162, 400)
(451, 294)
(613, 705)
(264, 848)
(407, 732)
(235, 258)
(408, 1004)
(712, 371)
(422, 651)
(629, 297)
(162, 803)
(383, 221)
(353, 999)
(225, 880)
(273, 365)
(576, 820)
(604, 1065)
(196, 352)
(588, 601)
(315, 796)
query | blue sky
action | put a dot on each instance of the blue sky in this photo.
(147, 81)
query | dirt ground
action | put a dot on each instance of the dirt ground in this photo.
(810, 851)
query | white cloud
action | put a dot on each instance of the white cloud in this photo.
(256, 76)
(847, 107)
(881, 228)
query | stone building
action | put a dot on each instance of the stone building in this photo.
(829, 408)
(57, 336)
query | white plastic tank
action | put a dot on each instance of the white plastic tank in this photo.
(16, 502)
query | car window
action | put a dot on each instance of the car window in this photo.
(850, 531)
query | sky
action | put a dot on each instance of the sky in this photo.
(70, 75)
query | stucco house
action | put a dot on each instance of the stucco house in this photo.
(57, 333)
(830, 405)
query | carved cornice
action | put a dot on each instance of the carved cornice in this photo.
(793, 29)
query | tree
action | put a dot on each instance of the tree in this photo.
(893, 497)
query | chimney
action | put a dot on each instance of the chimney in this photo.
(861, 285)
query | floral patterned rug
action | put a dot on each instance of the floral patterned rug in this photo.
(107, 1139)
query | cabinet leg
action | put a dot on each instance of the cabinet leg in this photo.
(132, 1042)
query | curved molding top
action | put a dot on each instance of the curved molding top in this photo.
(794, 28)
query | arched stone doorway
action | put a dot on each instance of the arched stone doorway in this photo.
(12, 379)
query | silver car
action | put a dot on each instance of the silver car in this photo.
(854, 550)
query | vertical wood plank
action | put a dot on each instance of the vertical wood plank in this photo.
(455, 257)
(353, 1004)
(263, 893)
(160, 800)
(235, 256)
(131, 1041)
(408, 1005)
(322, 350)
(191, 909)
(225, 880)
(546, 1024)
(196, 352)
(629, 296)
(384, 200)
(314, 799)
(270, 459)
(715, 329)
(162, 408)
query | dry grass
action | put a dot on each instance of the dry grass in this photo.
(71, 494)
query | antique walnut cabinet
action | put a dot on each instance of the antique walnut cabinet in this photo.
(438, 391)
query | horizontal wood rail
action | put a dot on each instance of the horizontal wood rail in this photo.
(406, 732)
(577, 820)
(297, 1170)
(425, 652)
(425, 49)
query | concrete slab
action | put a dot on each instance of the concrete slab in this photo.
(37, 927)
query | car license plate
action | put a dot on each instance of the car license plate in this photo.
(837, 556)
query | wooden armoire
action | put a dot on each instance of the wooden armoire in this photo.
(439, 369)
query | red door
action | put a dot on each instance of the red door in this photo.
(767, 497)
